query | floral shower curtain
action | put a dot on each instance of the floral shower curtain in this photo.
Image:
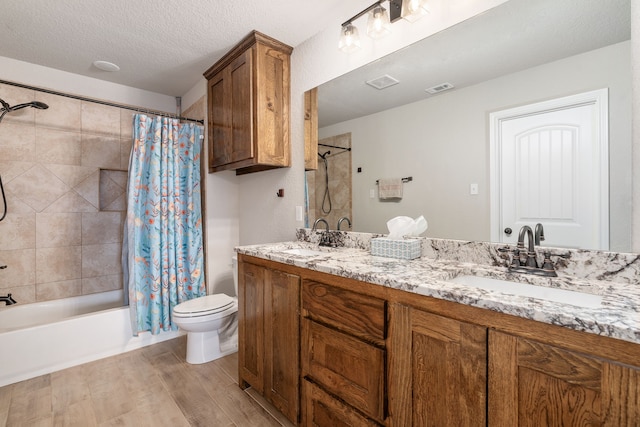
(162, 244)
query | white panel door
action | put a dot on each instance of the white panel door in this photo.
(551, 164)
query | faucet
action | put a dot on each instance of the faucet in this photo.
(7, 300)
(343, 219)
(529, 264)
(319, 220)
(539, 234)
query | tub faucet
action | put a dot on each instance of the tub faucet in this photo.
(7, 299)
(344, 218)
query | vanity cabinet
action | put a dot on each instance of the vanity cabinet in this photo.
(248, 93)
(437, 370)
(268, 335)
(343, 356)
(532, 384)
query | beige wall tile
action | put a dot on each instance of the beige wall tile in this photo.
(101, 260)
(100, 151)
(15, 205)
(17, 142)
(55, 230)
(93, 285)
(18, 231)
(58, 264)
(63, 113)
(100, 119)
(89, 189)
(102, 227)
(58, 147)
(71, 175)
(126, 124)
(57, 290)
(118, 205)
(38, 187)
(112, 186)
(20, 269)
(71, 202)
(11, 169)
(125, 153)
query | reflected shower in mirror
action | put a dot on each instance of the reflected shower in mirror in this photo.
(505, 58)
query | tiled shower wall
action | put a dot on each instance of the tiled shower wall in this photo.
(339, 167)
(64, 175)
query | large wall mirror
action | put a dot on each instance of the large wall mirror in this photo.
(519, 53)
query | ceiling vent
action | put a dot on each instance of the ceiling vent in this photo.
(439, 88)
(383, 82)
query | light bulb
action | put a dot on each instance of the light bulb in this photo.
(412, 10)
(378, 24)
(349, 38)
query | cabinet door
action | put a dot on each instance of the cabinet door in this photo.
(536, 384)
(230, 114)
(282, 342)
(437, 370)
(251, 326)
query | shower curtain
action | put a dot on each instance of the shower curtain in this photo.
(162, 244)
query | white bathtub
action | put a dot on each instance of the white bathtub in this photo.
(39, 338)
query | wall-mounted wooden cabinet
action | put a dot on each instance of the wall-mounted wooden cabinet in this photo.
(248, 93)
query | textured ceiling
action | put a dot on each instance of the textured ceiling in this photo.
(162, 46)
(513, 36)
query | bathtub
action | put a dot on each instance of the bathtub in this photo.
(43, 337)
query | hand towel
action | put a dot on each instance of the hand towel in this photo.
(390, 188)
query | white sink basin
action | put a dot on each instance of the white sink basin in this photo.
(303, 252)
(580, 299)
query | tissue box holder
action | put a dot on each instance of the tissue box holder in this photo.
(396, 248)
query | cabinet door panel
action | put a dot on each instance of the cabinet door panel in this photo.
(437, 370)
(282, 331)
(533, 384)
(219, 120)
(323, 410)
(251, 325)
(241, 99)
(345, 366)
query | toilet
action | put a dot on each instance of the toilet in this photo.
(211, 324)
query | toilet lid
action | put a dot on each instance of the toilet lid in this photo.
(204, 305)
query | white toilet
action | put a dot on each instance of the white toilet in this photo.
(211, 324)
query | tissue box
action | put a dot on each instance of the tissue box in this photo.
(396, 248)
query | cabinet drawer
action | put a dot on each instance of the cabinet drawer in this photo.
(323, 410)
(356, 314)
(345, 366)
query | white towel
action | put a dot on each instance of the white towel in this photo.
(390, 188)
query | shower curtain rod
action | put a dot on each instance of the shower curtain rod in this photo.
(97, 101)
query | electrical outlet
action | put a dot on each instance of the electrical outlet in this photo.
(372, 193)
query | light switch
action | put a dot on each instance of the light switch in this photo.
(299, 213)
(473, 189)
(372, 193)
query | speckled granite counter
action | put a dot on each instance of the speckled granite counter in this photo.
(618, 316)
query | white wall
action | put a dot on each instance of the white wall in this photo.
(635, 73)
(443, 143)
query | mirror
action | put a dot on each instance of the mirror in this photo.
(516, 54)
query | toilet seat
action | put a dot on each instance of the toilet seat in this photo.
(205, 306)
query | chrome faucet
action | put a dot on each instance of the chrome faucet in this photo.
(539, 234)
(343, 219)
(319, 220)
(7, 299)
(525, 260)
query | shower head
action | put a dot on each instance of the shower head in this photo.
(324, 156)
(8, 109)
(34, 104)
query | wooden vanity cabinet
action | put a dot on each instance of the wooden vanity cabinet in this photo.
(268, 335)
(437, 370)
(343, 356)
(533, 384)
(248, 93)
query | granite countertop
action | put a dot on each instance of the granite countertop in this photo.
(617, 317)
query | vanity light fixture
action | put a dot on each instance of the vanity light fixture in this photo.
(380, 21)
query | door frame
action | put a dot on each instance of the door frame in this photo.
(599, 100)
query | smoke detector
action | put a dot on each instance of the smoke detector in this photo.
(383, 82)
(439, 88)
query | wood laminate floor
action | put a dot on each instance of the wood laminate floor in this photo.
(152, 386)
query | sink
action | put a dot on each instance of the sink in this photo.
(303, 252)
(580, 299)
